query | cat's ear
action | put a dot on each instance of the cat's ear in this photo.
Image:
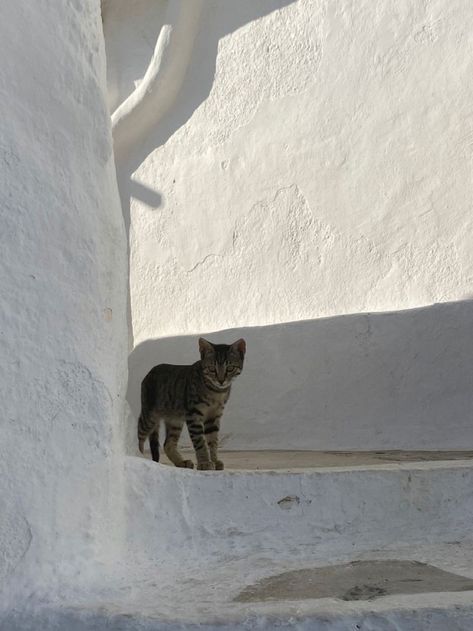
(240, 346)
(204, 347)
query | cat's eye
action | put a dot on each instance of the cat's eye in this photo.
(231, 369)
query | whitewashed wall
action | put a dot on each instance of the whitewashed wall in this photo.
(315, 161)
(63, 297)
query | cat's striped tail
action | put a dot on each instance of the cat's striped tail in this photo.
(148, 427)
(144, 428)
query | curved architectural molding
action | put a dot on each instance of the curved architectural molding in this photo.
(157, 91)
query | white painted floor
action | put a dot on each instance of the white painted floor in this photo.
(208, 595)
(291, 459)
(191, 597)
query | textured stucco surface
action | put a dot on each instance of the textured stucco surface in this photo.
(289, 514)
(63, 296)
(315, 162)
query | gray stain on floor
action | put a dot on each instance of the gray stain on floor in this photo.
(359, 580)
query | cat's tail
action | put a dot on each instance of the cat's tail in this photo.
(148, 421)
(148, 427)
(143, 431)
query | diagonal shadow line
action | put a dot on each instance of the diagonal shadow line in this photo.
(144, 194)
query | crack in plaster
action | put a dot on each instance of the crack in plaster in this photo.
(202, 261)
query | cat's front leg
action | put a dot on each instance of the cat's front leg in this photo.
(195, 426)
(211, 429)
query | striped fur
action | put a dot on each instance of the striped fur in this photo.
(195, 395)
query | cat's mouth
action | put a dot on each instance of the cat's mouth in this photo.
(219, 386)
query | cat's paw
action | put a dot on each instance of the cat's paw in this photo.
(186, 464)
(206, 466)
(219, 466)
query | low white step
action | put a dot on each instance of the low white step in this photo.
(325, 511)
(197, 543)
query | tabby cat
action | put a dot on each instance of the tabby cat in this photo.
(195, 395)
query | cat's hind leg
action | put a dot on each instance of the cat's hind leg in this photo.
(173, 433)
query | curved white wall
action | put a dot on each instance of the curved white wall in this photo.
(400, 380)
(62, 320)
(316, 162)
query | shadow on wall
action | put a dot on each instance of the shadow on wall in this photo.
(218, 19)
(395, 380)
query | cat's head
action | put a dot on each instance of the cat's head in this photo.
(221, 363)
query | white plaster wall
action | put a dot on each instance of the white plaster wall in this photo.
(315, 162)
(63, 301)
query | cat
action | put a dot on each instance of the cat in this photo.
(195, 395)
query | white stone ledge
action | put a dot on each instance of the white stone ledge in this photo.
(286, 513)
